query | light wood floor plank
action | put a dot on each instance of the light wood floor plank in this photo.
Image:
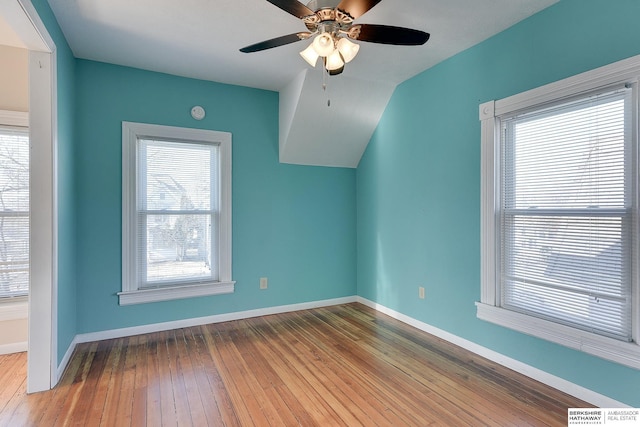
(168, 410)
(139, 400)
(311, 387)
(335, 392)
(358, 359)
(47, 407)
(188, 376)
(12, 378)
(179, 391)
(203, 387)
(213, 390)
(111, 413)
(279, 375)
(414, 370)
(344, 365)
(154, 414)
(437, 374)
(265, 378)
(372, 399)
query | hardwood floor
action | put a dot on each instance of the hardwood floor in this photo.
(345, 365)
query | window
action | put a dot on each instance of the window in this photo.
(560, 205)
(176, 213)
(14, 205)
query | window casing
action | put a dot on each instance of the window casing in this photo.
(176, 230)
(560, 212)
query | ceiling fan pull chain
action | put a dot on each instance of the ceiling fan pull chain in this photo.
(325, 84)
(324, 79)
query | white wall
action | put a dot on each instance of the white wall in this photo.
(14, 96)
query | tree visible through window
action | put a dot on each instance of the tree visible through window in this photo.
(14, 212)
(178, 207)
(176, 201)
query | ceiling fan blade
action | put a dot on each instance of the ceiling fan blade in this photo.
(278, 41)
(356, 8)
(387, 34)
(293, 7)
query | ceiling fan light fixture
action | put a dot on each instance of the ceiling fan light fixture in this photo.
(310, 55)
(331, 24)
(347, 49)
(323, 44)
(336, 72)
(334, 61)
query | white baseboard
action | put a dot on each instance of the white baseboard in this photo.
(535, 373)
(185, 323)
(216, 318)
(558, 383)
(14, 347)
(65, 360)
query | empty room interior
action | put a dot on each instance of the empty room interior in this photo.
(341, 212)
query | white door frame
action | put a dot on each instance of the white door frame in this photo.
(42, 364)
(42, 343)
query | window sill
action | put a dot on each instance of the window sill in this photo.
(175, 292)
(14, 309)
(627, 354)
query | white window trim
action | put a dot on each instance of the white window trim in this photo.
(488, 309)
(130, 293)
(14, 118)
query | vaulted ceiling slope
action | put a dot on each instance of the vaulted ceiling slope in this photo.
(8, 36)
(201, 39)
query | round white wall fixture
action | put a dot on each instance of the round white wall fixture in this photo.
(198, 112)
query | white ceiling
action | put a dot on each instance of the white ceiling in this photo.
(201, 39)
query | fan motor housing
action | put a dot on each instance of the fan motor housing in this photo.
(328, 16)
(316, 5)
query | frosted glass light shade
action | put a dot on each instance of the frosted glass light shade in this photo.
(348, 49)
(323, 44)
(334, 61)
(310, 55)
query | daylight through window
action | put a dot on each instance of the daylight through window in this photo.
(565, 254)
(560, 250)
(14, 212)
(176, 213)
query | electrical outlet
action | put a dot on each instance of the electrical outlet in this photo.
(421, 292)
(263, 283)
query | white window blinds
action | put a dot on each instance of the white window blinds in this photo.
(566, 213)
(177, 205)
(14, 212)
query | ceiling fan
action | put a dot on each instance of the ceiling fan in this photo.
(331, 22)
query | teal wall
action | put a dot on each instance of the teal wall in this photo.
(66, 180)
(416, 210)
(292, 224)
(418, 184)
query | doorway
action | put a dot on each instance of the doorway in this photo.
(19, 19)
